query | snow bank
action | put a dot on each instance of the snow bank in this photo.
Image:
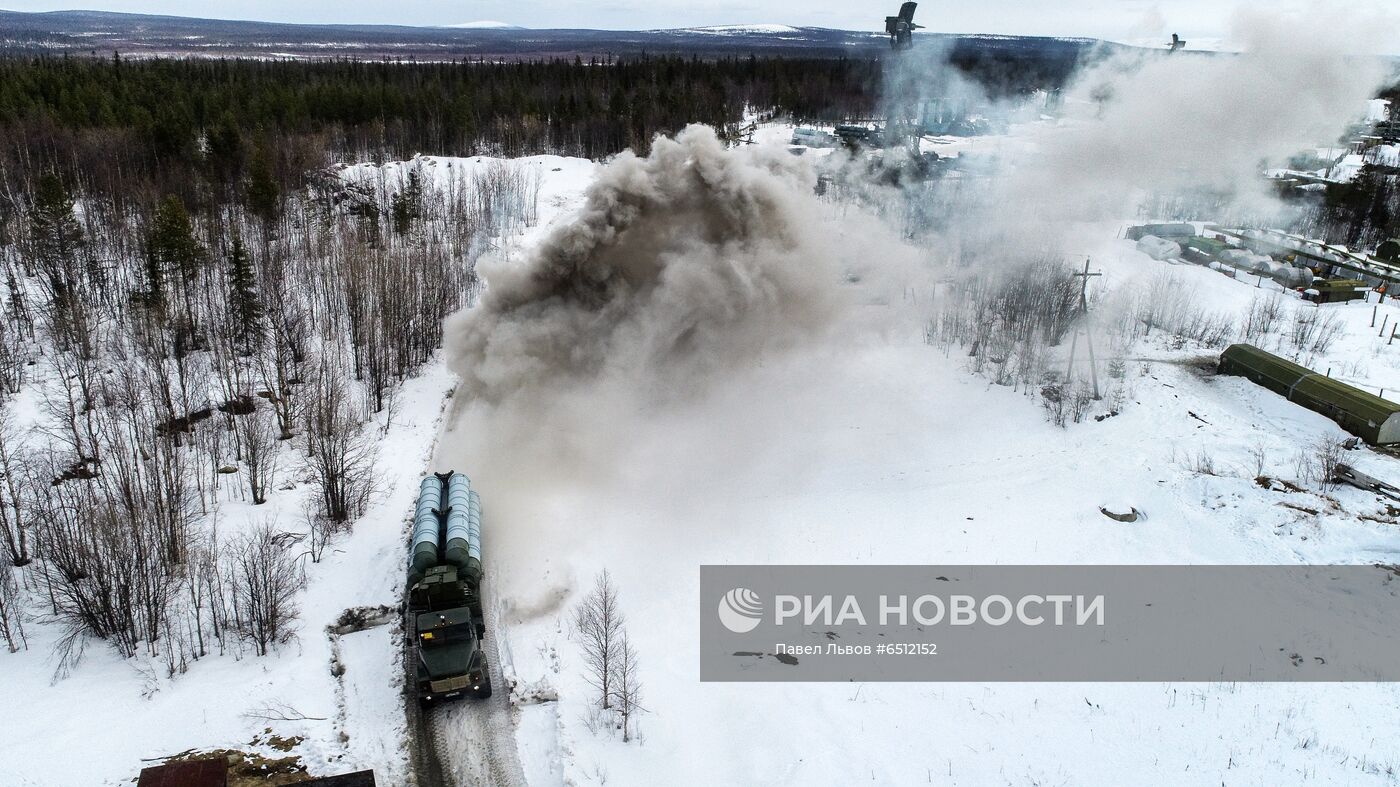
(1158, 248)
(742, 29)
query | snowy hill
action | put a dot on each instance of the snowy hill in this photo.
(742, 29)
(486, 24)
(135, 34)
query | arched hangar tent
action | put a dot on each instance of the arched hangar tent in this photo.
(1365, 415)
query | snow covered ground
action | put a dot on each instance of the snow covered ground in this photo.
(734, 29)
(115, 714)
(896, 455)
(880, 450)
(123, 714)
(875, 448)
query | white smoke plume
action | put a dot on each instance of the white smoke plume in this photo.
(1145, 121)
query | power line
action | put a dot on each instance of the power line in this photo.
(1087, 329)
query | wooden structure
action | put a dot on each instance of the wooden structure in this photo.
(211, 772)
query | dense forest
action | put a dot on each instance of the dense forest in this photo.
(1361, 213)
(174, 124)
(194, 127)
(195, 310)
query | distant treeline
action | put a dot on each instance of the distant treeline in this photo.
(118, 122)
(190, 126)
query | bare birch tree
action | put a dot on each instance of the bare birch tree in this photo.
(257, 433)
(11, 619)
(598, 625)
(14, 494)
(339, 453)
(626, 684)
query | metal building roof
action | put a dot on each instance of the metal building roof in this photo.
(186, 773)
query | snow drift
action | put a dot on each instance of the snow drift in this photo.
(1158, 248)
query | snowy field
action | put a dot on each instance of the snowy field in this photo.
(895, 455)
(868, 447)
(123, 715)
(876, 448)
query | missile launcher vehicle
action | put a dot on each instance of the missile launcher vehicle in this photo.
(444, 592)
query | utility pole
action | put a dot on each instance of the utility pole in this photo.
(1088, 331)
(904, 123)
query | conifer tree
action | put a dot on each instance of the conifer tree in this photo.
(173, 246)
(263, 195)
(406, 204)
(174, 252)
(245, 310)
(54, 233)
(55, 239)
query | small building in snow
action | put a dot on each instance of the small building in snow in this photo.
(1167, 231)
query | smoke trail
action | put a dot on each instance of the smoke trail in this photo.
(677, 328)
(680, 265)
(1193, 122)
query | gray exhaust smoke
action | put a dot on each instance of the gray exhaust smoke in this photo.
(679, 265)
(647, 341)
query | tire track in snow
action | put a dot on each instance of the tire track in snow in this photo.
(468, 743)
(475, 739)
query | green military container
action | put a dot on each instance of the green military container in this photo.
(1200, 249)
(1365, 415)
(1337, 290)
(1173, 232)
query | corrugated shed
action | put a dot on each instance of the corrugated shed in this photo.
(1168, 231)
(1365, 415)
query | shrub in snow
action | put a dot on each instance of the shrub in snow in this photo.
(264, 579)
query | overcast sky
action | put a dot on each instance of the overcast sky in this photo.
(1123, 20)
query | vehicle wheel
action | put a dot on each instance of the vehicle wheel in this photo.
(485, 690)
